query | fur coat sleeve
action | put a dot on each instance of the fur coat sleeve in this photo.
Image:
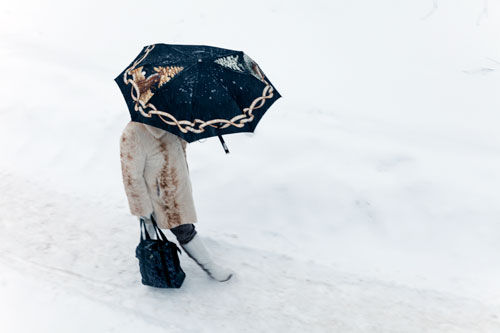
(133, 159)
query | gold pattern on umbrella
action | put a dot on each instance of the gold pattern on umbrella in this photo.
(158, 79)
(167, 73)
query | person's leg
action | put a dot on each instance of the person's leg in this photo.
(191, 242)
(184, 233)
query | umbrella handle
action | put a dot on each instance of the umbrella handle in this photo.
(223, 144)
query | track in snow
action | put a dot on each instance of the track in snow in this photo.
(86, 248)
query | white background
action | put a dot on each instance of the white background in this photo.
(366, 201)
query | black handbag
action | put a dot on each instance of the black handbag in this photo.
(158, 260)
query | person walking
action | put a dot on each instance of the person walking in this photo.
(157, 184)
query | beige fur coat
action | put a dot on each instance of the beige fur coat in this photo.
(156, 175)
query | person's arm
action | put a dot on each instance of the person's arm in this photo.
(133, 159)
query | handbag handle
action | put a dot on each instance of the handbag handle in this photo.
(157, 229)
(144, 230)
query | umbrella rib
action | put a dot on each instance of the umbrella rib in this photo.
(222, 56)
(206, 59)
(195, 89)
(227, 91)
(244, 73)
(179, 51)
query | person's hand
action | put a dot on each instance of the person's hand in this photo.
(146, 219)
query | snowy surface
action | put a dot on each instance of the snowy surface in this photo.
(366, 201)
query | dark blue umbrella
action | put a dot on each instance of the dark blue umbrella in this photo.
(196, 91)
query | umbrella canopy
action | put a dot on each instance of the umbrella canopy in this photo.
(196, 91)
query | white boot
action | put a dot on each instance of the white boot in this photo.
(198, 252)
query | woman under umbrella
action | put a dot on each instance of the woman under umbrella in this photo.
(156, 179)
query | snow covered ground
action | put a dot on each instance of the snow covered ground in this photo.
(367, 200)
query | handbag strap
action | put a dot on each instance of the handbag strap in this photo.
(159, 233)
(144, 230)
(158, 230)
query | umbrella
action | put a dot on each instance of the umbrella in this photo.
(196, 91)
